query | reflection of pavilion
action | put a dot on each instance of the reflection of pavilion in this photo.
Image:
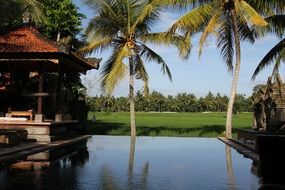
(77, 153)
(56, 169)
(26, 51)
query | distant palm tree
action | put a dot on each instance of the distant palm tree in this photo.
(125, 27)
(230, 21)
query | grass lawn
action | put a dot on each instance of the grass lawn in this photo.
(167, 124)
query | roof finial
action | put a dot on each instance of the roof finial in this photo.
(26, 17)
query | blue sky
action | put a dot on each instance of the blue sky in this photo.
(196, 75)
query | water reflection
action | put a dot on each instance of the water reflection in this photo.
(107, 179)
(255, 169)
(144, 172)
(132, 153)
(45, 170)
(230, 171)
(136, 163)
(110, 180)
(131, 161)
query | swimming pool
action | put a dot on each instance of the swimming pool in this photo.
(113, 162)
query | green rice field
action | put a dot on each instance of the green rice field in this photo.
(167, 124)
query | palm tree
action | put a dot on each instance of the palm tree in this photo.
(124, 26)
(277, 54)
(230, 21)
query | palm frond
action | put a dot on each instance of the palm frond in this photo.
(225, 41)
(102, 24)
(97, 45)
(35, 10)
(140, 72)
(147, 12)
(276, 24)
(210, 29)
(139, 68)
(268, 7)
(108, 16)
(278, 62)
(177, 5)
(272, 55)
(194, 19)
(114, 69)
(151, 56)
(250, 14)
(144, 26)
(182, 43)
(246, 32)
(100, 5)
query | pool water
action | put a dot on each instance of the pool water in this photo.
(119, 162)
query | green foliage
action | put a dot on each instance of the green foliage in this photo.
(11, 12)
(182, 102)
(63, 19)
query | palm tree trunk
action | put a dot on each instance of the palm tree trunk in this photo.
(132, 98)
(235, 79)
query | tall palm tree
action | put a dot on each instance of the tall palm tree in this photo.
(230, 21)
(125, 27)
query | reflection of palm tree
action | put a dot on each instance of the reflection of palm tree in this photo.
(131, 161)
(144, 175)
(231, 177)
(107, 178)
(145, 170)
(132, 152)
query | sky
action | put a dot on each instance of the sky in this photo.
(195, 75)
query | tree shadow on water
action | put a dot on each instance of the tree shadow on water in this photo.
(203, 131)
(103, 128)
(108, 128)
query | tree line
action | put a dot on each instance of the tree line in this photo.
(182, 102)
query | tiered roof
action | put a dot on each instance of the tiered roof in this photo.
(27, 49)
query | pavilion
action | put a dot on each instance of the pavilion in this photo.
(27, 50)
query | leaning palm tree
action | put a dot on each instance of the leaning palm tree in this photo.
(125, 27)
(230, 21)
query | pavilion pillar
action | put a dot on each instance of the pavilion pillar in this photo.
(59, 92)
(40, 98)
